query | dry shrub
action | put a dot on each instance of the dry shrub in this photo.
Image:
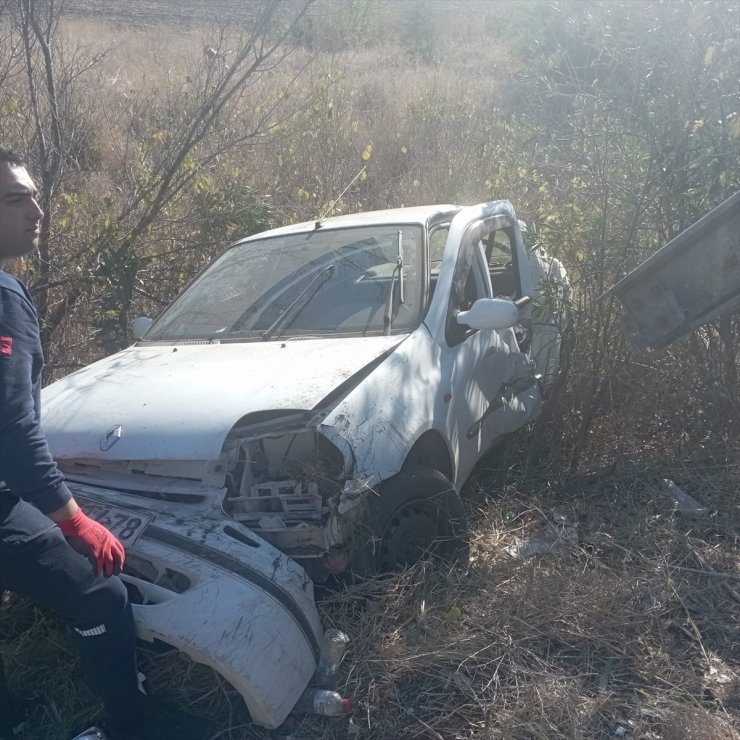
(604, 633)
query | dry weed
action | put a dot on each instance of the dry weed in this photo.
(630, 629)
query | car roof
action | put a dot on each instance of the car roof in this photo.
(412, 215)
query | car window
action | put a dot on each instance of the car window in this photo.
(470, 283)
(498, 249)
(501, 259)
(353, 281)
(437, 242)
(475, 280)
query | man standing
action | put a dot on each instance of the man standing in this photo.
(39, 518)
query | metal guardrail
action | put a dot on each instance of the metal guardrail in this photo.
(691, 280)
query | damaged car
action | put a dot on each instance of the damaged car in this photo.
(311, 404)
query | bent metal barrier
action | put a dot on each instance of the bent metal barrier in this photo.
(691, 280)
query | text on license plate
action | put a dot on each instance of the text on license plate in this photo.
(126, 525)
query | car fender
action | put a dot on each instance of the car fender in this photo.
(384, 416)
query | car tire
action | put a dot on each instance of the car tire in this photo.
(417, 514)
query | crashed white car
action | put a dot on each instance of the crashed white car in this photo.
(312, 403)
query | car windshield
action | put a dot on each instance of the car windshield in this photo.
(338, 282)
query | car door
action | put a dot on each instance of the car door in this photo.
(487, 382)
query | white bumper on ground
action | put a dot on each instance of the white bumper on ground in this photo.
(212, 589)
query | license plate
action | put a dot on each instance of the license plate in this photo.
(126, 525)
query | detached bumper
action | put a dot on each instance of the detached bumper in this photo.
(212, 589)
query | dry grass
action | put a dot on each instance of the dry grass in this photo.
(634, 624)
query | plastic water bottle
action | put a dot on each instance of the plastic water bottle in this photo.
(92, 733)
(332, 651)
(682, 502)
(323, 701)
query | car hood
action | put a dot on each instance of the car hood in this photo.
(179, 402)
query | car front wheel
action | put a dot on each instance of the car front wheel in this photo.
(416, 514)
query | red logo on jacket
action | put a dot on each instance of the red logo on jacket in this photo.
(6, 346)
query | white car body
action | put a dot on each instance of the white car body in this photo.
(240, 457)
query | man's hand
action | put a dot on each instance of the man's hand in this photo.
(105, 548)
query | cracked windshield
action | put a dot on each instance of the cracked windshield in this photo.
(343, 282)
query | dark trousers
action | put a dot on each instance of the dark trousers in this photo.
(37, 562)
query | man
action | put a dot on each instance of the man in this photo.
(42, 529)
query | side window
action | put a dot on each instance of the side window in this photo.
(470, 283)
(437, 241)
(502, 267)
(476, 285)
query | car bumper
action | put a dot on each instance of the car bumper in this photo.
(214, 590)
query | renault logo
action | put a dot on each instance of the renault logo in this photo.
(111, 437)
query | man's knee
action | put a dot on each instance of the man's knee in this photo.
(105, 601)
(51, 573)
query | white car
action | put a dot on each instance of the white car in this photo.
(312, 403)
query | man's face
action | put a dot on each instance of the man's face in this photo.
(20, 215)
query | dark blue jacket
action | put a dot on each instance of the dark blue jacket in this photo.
(27, 469)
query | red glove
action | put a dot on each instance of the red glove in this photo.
(105, 548)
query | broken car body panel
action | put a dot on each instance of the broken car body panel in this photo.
(691, 280)
(273, 399)
(179, 402)
(223, 596)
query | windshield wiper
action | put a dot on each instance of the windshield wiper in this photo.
(397, 270)
(322, 275)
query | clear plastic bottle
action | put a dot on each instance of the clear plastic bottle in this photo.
(682, 502)
(323, 701)
(92, 733)
(332, 651)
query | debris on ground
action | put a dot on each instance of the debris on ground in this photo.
(554, 534)
(682, 502)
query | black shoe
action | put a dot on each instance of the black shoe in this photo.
(160, 722)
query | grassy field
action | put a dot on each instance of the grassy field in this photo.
(626, 623)
(142, 13)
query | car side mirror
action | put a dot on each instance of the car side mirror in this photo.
(140, 326)
(490, 313)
